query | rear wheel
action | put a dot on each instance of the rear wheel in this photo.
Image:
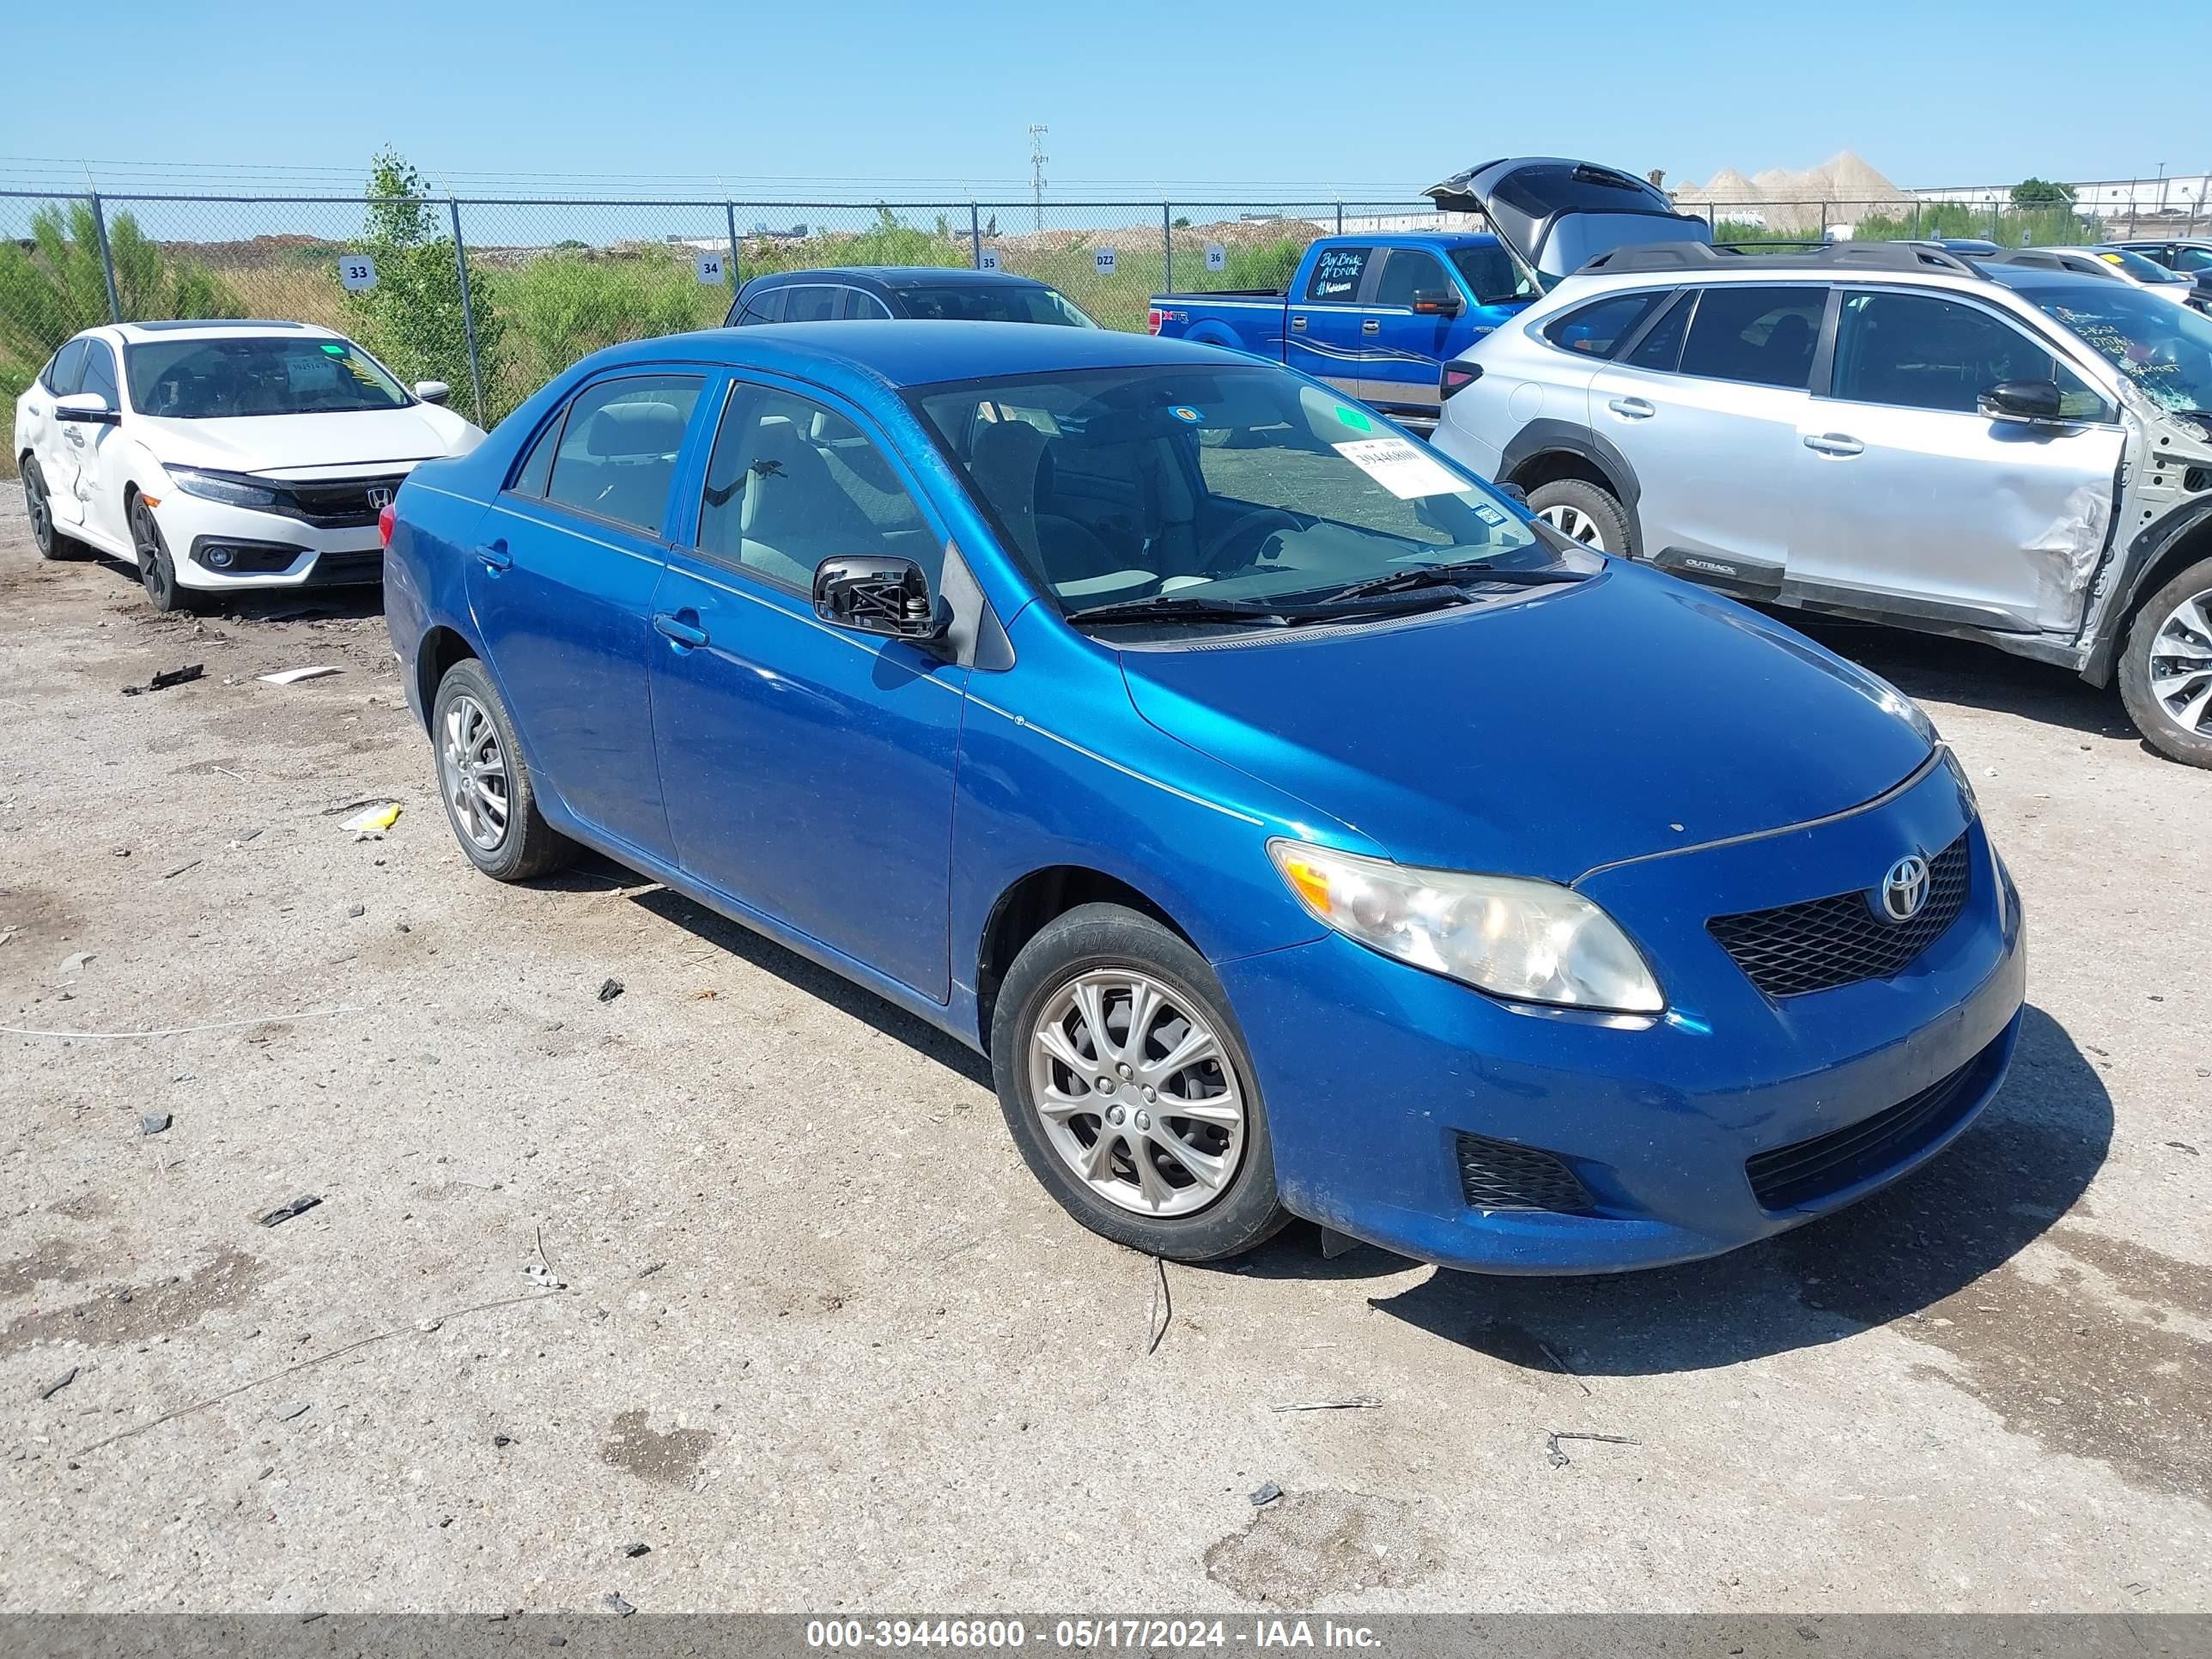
(38, 503)
(2165, 670)
(490, 799)
(1127, 1087)
(1588, 512)
(156, 569)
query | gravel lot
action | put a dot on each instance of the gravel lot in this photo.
(823, 1344)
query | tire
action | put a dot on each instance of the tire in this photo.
(1096, 948)
(156, 569)
(2166, 667)
(1598, 517)
(473, 748)
(38, 503)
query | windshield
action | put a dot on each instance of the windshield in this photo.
(1198, 484)
(265, 374)
(994, 303)
(2165, 349)
(1491, 273)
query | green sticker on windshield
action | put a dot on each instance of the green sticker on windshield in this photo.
(335, 350)
(1354, 419)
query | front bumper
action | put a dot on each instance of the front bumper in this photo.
(1373, 1071)
(268, 550)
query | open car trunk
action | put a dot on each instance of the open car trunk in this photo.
(1557, 214)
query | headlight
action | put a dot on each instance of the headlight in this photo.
(1529, 941)
(218, 487)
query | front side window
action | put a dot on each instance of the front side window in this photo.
(1922, 351)
(1596, 329)
(1337, 275)
(1239, 484)
(1492, 276)
(2166, 350)
(99, 376)
(791, 483)
(1406, 272)
(812, 302)
(618, 447)
(67, 368)
(221, 378)
(1760, 335)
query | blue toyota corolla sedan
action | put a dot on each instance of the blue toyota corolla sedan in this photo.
(1298, 827)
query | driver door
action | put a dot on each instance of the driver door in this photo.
(60, 445)
(1912, 501)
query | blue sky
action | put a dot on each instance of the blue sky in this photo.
(915, 98)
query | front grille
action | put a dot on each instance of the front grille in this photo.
(1497, 1174)
(346, 569)
(1820, 944)
(1790, 1177)
(338, 503)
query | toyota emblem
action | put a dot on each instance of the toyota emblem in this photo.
(379, 497)
(1904, 889)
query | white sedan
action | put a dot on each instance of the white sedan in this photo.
(224, 455)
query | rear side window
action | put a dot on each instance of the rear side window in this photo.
(1408, 272)
(1661, 348)
(617, 451)
(531, 480)
(1595, 330)
(100, 373)
(1336, 275)
(1756, 334)
(812, 302)
(61, 375)
(1919, 351)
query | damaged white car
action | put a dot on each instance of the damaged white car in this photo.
(2002, 449)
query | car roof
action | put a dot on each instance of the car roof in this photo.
(218, 328)
(903, 352)
(897, 276)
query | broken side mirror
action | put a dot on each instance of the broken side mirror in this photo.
(2022, 400)
(886, 595)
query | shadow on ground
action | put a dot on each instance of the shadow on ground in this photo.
(1927, 667)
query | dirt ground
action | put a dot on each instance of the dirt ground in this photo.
(800, 1323)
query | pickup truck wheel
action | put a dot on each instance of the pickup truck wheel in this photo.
(2165, 672)
(1585, 512)
(1127, 1089)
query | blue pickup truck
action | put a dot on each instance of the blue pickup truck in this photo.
(1373, 316)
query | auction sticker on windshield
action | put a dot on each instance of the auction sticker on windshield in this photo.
(1403, 468)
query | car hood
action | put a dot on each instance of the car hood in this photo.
(303, 446)
(1557, 214)
(1564, 729)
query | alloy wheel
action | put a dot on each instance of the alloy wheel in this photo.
(41, 509)
(1573, 522)
(153, 567)
(1136, 1092)
(473, 769)
(2181, 665)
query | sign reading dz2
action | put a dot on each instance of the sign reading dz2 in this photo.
(1104, 259)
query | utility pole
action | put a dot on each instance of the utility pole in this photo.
(1038, 159)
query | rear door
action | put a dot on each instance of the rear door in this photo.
(1325, 336)
(1913, 501)
(561, 585)
(1705, 402)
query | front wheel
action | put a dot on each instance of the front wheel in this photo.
(1584, 512)
(1127, 1087)
(156, 569)
(2165, 670)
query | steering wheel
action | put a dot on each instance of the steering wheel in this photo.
(1257, 524)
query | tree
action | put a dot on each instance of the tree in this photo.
(2041, 192)
(412, 317)
(56, 286)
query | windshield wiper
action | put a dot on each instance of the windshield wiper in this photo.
(1172, 608)
(1452, 575)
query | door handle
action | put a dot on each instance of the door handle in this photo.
(1834, 443)
(73, 436)
(674, 627)
(1634, 408)
(1372, 325)
(1298, 324)
(494, 555)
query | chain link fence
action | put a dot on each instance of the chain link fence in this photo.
(494, 297)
